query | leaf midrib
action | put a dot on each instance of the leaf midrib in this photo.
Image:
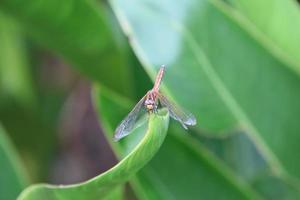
(232, 104)
(228, 98)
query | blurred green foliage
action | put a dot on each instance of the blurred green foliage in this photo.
(234, 64)
(13, 177)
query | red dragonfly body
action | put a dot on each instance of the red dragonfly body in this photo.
(150, 102)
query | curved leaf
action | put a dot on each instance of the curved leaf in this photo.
(105, 184)
(227, 78)
(180, 170)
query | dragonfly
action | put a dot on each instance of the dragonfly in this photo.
(151, 102)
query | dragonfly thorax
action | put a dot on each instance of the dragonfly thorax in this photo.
(151, 102)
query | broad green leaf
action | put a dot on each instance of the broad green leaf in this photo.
(216, 69)
(272, 187)
(78, 30)
(15, 77)
(101, 187)
(279, 23)
(12, 177)
(239, 153)
(181, 169)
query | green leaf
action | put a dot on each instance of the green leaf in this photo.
(13, 177)
(79, 30)
(102, 186)
(272, 187)
(21, 111)
(182, 169)
(216, 69)
(239, 153)
(276, 24)
(15, 77)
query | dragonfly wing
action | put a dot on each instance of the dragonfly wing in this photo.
(128, 123)
(184, 117)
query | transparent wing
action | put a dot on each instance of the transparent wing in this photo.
(128, 123)
(184, 117)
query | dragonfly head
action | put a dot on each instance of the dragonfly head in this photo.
(149, 107)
